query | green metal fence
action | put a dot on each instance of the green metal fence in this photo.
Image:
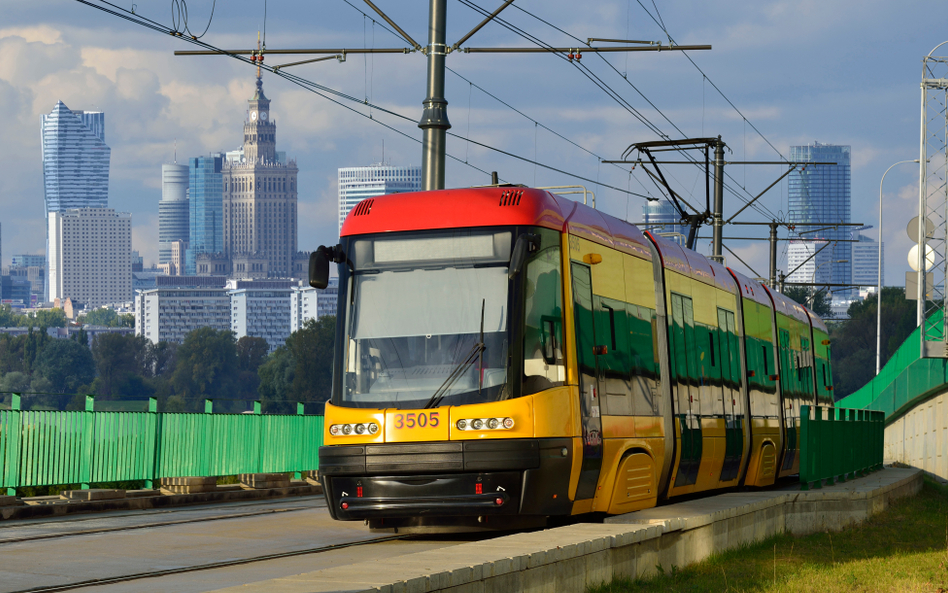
(837, 444)
(40, 448)
(905, 380)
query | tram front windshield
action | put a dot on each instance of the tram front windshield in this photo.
(427, 322)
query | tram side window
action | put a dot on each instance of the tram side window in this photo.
(646, 395)
(613, 366)
(543, 365)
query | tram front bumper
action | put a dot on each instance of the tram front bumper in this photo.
(447, 479)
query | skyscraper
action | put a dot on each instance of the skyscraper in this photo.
(821, 194)
(359, 183)
(259, 198)
(661, 217)
(205, 206)
(75, 164)
(75, 159)
(173, 210)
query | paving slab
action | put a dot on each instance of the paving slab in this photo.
(578, 556)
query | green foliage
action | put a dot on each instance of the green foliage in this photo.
(206, 365)
(854, 340)
(108, 318)
(815, 301)
(301, 371)
(42, 319)
(66, 364)
(122, 364)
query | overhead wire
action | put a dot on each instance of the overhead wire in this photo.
(760, 208)
(324, 92)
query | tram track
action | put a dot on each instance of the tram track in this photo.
(47, 536)
(206, 566)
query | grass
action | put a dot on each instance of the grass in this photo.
(903, 549)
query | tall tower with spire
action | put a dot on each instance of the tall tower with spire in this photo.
(260, 199)
(259, 130)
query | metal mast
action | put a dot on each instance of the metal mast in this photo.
(434, 120)
(932, 263)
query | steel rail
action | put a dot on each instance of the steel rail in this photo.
(48, 536)
(202, 567)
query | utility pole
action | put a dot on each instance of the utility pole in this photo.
(718, 215)
(434, 120)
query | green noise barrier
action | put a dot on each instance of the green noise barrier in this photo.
(43, 448)
(837, 444)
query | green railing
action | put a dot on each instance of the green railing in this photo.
(837, 444)
(905, 380)
(40, 448)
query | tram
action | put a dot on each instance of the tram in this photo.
(505, 356)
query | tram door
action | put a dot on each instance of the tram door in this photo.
(589, 385)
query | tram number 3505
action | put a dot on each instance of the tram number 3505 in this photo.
(417, 419)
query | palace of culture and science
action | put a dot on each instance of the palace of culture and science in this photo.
(240, 219)
(259, 199)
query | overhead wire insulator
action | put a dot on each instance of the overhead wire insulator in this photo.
(579, 56)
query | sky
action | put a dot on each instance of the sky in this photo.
(779, 74)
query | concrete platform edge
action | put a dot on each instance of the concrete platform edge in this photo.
(139, 502)
(576, 557)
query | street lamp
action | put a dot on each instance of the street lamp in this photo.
(879, 288)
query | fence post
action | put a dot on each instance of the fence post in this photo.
(152, 437)
(14, 446)
(88, 443)
(259, 425)
(207, 438)
(298, 474)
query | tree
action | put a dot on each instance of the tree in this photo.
(118, 358)
(816, 302)
(102, 316)
(275, 378)
(854, 340)
(251, 353)
(206, 364)
(312, 350)
(300, 371)
(8, 318)
(66, 364)
(45, 318)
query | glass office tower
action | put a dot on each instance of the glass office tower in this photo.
(206, 205)
(75, 159)
(821, 194)
(662, 218)
(174, 216)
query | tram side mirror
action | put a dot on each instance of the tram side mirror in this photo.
(526, 243)
(319, 264)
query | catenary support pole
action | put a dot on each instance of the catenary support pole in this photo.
(773, 255)
(718, 221)
(434, 120)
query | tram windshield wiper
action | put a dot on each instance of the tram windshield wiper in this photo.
(461, 367)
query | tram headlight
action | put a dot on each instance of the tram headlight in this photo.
(485, 424)
(358, 429)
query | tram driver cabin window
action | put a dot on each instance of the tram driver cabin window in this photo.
(543, 365)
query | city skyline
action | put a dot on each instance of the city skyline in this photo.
(153, 98)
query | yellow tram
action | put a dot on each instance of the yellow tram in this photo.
(505, 355)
